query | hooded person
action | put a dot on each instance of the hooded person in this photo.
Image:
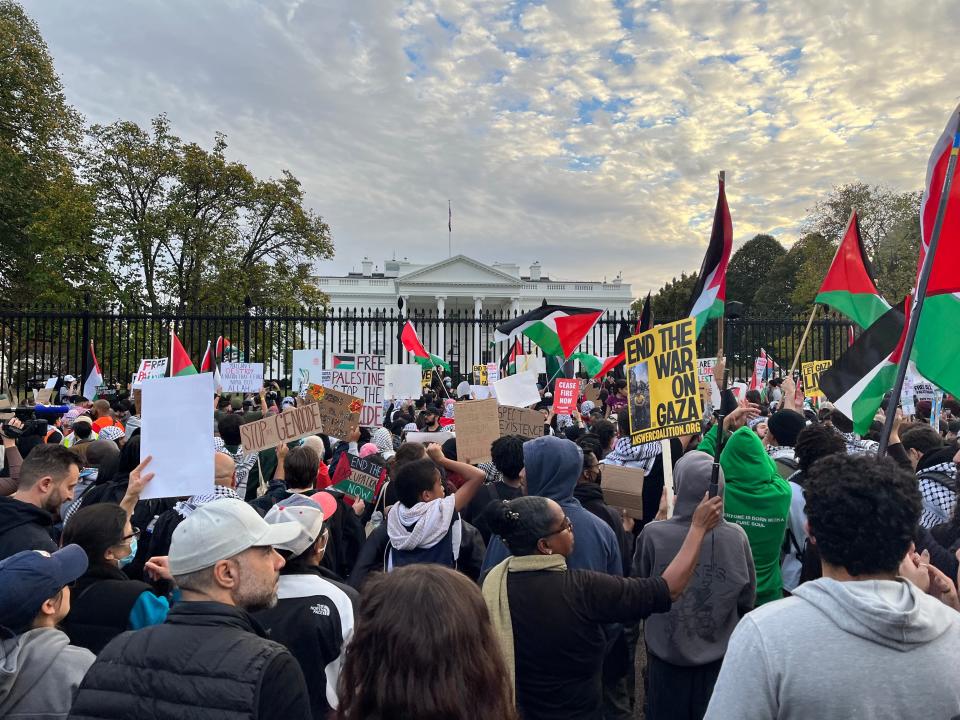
(756, 498)
(866, 640)
(685, 646)
(552, 467)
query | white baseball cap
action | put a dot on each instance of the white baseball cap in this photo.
(219, 530)
(306, 513)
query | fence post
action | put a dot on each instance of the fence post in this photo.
(85, 338)
(248, 303)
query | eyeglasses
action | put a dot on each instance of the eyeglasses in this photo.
(567, 525)
(132, 536)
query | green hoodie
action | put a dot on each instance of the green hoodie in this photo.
(757, 499)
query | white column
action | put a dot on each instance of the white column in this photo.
(441, 348)
(514, 307)
(477, 311)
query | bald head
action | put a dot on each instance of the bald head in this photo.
(224, 470)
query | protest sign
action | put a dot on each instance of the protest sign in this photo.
(478, 425)
(811, 376)
(481, 392)
(565, 393)
(283, 427)
(519, 390)
(402, 382)
(361, 377)
(426, 381)
(924, 391)
(338, 411)
(662, 388)
(359, 477)
(936, 407)
(705, 369)
(50, 384)
(493, 373)
(480, 374)
(177, 431)
(429, 437)
(241, 377)
(106, 391)
(622, 487)
(307, 365)
(42, 396)
(520, 421)
(150, 369)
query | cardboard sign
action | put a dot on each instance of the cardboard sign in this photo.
(565, 393)
(359, 477)
(493, 373)
(281, 428)
(150, 369)
(519, 390)
(622, 487)
(338, 411)
(811, 376)
(478, 425)
(241, 377)
(402, 382)
(177, 431)
(520, 421)
(662, 388)
(426, 438)
(42, 396)
(362, 376)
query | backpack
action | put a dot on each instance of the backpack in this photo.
(786, 467)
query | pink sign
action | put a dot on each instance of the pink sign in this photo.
(565, 396)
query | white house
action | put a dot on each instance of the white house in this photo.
(464, 287)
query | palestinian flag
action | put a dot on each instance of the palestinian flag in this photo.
(344, 362)
(206, 364)
(516, 352)
(849, 287)
(857, 382)
(180, 363)
(412, 343)
(594, 365)
(94, 378)
(710, 292)
(937, 343)
(555, 329)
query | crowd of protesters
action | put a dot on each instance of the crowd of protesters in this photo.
(813, 579)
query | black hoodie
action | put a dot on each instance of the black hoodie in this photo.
(24, 527)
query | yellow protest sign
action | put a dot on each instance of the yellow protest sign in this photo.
(662, 383)
(811, 376)
(480, 374)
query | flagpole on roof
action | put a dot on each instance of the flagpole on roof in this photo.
(919, 296)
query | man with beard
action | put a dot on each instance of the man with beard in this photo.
(210, 657)
(48, 477)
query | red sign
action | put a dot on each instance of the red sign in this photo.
(565, 394)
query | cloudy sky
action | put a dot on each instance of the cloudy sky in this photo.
(582, 133)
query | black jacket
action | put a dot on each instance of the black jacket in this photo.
(208, 660)
(24, 527)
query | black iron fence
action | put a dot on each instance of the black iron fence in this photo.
(40, 342)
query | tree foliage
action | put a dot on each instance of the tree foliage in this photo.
(672, 300)
(749, 266)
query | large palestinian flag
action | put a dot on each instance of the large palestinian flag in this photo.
(710, 293)
(411, 341)
(849, 286)
(599, 366)
(555, 329)
(857, 382)
(937, 344)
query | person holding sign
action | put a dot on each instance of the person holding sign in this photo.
(549, 617)
(756, 497)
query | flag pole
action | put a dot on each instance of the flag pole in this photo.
(803, 339)
(449, 230)
(919, 297)
(437, 373)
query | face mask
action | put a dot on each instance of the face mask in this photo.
(133, 553)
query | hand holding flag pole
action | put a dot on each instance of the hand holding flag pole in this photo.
(919, 296)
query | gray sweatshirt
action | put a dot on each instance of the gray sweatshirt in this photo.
(724, 584)
(872, 649)
(40, 672)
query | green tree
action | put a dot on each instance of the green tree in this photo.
(672, 300)
(815, 255)
(45, 213)
(195, 227)
(749, 266)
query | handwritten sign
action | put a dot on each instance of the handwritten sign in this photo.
(150, 369)
(662, 386)
(281, 428)
(338, 411)
(565, 392)
(520, 421)
(359, 477)
(241, 377)
(363, 380)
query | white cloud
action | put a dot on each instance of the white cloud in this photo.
(577, 132)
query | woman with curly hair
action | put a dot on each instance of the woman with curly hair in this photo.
(423, 648)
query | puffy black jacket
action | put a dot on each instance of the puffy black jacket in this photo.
(24, 527)
(208, 660)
